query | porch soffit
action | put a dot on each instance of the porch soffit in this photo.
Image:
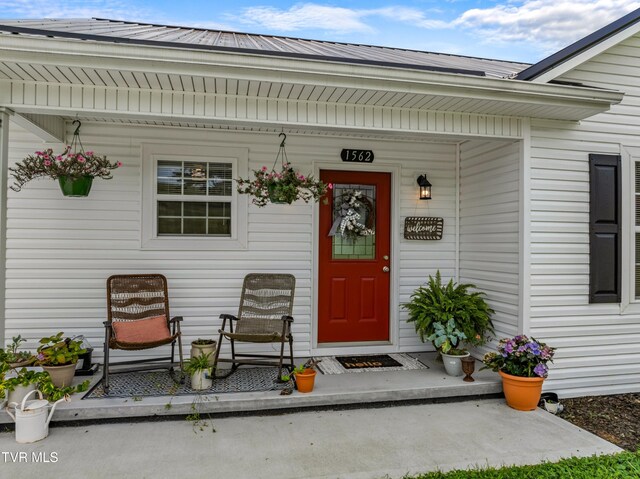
(233, 75)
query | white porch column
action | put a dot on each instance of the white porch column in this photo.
(4, 164)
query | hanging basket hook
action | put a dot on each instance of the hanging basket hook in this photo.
(283, 140)
(77, 132)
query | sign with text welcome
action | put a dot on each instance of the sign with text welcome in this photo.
(423, 228)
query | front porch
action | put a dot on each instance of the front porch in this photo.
(331, 391)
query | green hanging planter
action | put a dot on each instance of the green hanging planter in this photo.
(277, 197)
(75, 187)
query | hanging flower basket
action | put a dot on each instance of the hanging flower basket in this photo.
(281, 187)
(74, 168)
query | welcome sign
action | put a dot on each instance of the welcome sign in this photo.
(423, 228)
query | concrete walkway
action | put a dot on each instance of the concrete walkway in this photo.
(356, 444)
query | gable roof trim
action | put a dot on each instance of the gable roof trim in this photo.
(548, 65)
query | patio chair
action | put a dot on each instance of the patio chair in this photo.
(264, 316)
(138, 319)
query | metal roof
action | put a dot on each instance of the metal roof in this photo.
(116, 31)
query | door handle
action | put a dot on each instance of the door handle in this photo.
(385, 269)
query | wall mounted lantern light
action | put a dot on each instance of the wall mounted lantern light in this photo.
(425, 187)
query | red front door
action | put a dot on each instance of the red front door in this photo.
(354, 257)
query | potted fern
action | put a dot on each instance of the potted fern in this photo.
(438, 304)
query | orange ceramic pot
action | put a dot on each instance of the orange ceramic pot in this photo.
(521, 393)
(305, 380)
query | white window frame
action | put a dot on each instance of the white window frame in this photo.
(151, 154)
(629, 303)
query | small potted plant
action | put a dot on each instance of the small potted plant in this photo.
(204, 346)
(13, 357)
(522, 363)
(21, 383)
(305, 376)
(446, 339)
(58, 356)
(200, 370)
(437, 303)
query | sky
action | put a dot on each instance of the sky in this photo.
(516, 30)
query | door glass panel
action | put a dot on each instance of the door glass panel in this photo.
(353, 228)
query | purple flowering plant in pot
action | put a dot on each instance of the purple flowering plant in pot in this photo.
(522, 363)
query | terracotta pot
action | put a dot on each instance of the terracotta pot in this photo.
(198, 349)
(521, 393)
(305, 380)
(61, 376)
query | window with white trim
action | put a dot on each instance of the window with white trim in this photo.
(193, 198)
(189, 198)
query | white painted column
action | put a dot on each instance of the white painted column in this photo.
(524, 270)
(4, 165)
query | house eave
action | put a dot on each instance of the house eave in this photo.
(450, 91)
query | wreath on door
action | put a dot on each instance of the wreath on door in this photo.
(354, 216)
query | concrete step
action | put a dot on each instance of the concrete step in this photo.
(364, 389)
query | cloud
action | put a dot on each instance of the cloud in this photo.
(330, 18)
(306, 16)
(550, 24)
(115, 9)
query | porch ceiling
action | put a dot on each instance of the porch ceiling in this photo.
(35, 61)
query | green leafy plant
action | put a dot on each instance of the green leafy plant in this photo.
(447, 337)
(25, 377)
(198, 363)
(436, 303)
(53, 392)
(58, 351)
(11, 354)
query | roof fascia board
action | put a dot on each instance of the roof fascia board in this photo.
(575, 54)
(253, 67)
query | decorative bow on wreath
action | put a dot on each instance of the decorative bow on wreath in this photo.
(354, 216)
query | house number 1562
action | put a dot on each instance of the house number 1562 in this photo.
(358, 156)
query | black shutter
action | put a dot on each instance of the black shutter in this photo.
(604, 229)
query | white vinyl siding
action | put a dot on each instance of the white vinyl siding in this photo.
(61, 250)
(599, 344)
(489, 227)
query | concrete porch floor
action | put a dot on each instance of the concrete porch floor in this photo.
(364, 389)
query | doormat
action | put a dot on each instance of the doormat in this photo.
(375, 361)
(369, 363)
(160, 383)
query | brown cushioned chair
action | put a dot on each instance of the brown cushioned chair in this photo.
(264, 316)
(138, 319)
